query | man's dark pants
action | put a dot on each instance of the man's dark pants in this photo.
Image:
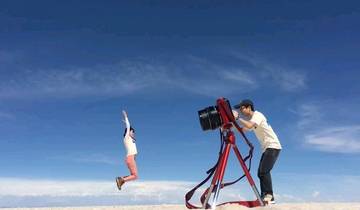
(267, 162)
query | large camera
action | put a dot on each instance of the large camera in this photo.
(213, 117)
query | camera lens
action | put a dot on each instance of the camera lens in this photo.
(209, 118)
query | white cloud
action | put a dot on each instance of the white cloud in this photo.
(309, 114)
(195, 75)
(61, 193)
(320, 133)
(28, 187)
(288, 198)
(46, 192)
(97, 158)
(315, 187)
(288, 79)
(217, 86)
(239, 76)
(118, 79)
(7, 116)
(89, 158)
(132, 190)
(315, 194)
(16, 192)
(344, 139)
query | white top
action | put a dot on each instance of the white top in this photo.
(264, 132)
(129, 142)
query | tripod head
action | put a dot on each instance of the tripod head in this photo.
(220, 116)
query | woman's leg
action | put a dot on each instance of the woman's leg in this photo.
(131, 164)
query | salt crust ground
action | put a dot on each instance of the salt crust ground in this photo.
(293, 206)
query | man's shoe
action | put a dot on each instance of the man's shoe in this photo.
(269, 199)
(119, 182)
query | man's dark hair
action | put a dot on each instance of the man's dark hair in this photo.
(131, 129)
(251, 105)
(246, 103)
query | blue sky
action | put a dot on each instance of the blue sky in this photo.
(68, 69)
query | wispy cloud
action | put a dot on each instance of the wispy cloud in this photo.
(309, 114)
(32, 193)
(315, 194)
(53, 192)
(101, 80)
(6, 116)
(88, 158)
(122, 78)
(314, 187)
(286, 78)
(342, 139)
(288, 198)
(319, 134)
(11, 187)
(97, 158)
(239, 76)
(28, 192)
(221, 82)
(191, 74)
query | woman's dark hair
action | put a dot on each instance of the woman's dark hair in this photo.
(131, 129)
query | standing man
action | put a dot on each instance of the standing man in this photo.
(269, 142)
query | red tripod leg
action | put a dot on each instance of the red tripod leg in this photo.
(247, 174)
(218, 176)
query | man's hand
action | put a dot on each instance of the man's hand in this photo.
(244, 129)
(236, 114)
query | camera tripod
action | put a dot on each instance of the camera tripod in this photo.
(228, 143)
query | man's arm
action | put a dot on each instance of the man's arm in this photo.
(237, 117)
(247, 124)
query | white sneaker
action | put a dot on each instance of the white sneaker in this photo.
(269, 199)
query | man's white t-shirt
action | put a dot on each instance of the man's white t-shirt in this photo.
(264, 132)
(129, 142)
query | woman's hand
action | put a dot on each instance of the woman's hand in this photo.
(124, 113)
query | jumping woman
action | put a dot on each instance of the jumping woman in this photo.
(131, 151)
